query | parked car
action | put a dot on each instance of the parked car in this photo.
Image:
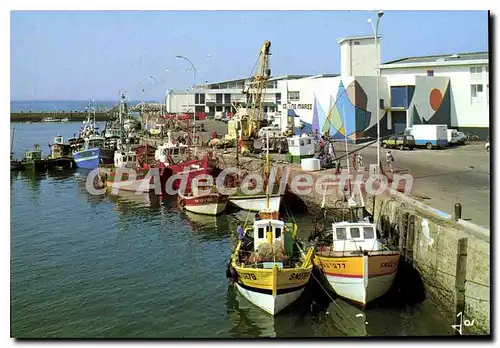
(399, 141)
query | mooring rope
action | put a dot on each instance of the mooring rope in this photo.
(356, 324)
(327, 293)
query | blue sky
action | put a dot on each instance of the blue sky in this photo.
(81, 55)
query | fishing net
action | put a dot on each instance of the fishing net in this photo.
(270, 252)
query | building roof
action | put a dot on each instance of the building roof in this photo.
(320, 76)
(288, 77)
(452, 57)
(362, 37)
(272, 78)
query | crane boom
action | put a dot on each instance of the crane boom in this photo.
(250, 117)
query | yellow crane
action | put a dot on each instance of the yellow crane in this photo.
(246, 122)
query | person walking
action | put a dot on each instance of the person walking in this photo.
(389, 159)
(359, 160)
(354, 161)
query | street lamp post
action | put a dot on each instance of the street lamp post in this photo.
(144, 120)
(194, 92)
(375, 37)
(166, 89)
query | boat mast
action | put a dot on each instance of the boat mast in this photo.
(188, 139)
(93, 110)
(348, 169)
(267, 169)
(12, 140)
(88, 113)
(346, 148)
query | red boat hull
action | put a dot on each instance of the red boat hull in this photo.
(210, 204)
(192, 168)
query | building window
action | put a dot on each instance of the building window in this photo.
(294, 95)
(218, 98)
(199, 98)
(227, 98)
(278, 98)
(430, 72)
(476, 93)
(218, 108)
(473, 91)
(272, 84)
(477, 70)
(356, 43)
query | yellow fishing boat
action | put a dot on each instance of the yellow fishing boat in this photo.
(268, 267)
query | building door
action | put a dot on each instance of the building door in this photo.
(398, 121)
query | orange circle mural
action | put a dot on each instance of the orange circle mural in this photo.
(435, 99)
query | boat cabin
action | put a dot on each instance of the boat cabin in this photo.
(34, 155)
(58, 140)
(113, 133)
(267, 229)
(176, 152)
(125, 159)
(94, 141)
(301, 146)
(349, 236)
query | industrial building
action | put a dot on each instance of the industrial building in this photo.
(448, 89)
(218, 98)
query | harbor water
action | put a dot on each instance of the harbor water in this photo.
(132, 266)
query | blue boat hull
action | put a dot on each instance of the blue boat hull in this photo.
(91, 158)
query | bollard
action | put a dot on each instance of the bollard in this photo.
(457, 211)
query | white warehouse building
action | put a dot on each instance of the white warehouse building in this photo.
(448, 89)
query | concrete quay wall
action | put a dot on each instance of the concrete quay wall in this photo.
(429, 241)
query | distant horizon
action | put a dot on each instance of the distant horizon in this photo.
(75, 100)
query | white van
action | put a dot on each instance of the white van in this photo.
(273, 130)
